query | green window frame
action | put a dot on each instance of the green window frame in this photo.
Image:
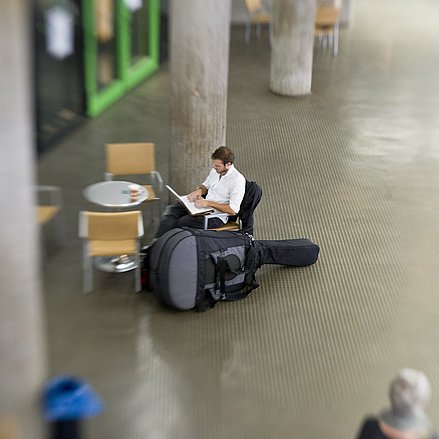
(128, 76)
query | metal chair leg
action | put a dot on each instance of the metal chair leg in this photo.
(137, 271)
(87, 270)
(60, 228)
(247, 32)
(335, 37)
(270, 34)
(41, 245)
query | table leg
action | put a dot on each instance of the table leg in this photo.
(115, 264)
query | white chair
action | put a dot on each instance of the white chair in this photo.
(110, 234)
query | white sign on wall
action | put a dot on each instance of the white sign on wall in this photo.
(59, 32)
(133, 5)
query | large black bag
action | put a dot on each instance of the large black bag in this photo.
(193, 268)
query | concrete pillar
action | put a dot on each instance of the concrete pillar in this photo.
(22, 346)
(199, 61)
(292, 47)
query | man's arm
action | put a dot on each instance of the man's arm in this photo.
(197, 193)
(225, 208)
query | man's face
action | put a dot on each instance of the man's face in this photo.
(220, 167)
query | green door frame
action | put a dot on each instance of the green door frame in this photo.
(128, 76)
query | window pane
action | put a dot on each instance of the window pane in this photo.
(106, 30)
(140, 33)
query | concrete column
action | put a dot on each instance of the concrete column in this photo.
(292, 47)
(199, 60)
(22, 346)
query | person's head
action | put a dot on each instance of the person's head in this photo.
(222, 159)
(409, 393)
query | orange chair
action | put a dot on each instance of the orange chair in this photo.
(327, 26)
(256, 14)
(49, 208)
(138, 159)
(110, 234)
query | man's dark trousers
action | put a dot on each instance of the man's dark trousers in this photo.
(176, 216)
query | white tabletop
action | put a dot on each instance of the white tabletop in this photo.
(114, 194)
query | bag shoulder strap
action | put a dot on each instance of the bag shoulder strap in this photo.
(249, 269)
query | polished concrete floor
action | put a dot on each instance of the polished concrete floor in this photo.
(353, 166)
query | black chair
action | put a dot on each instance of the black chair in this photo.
(245, 220)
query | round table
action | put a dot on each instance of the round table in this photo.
(115, 195)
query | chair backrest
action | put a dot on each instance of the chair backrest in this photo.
(49, 202)
(130, 158)
(327, 15)
(113, 226)
(253, 6)
(252, 197)
(46, 213)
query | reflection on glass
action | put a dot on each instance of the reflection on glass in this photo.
(106, 41)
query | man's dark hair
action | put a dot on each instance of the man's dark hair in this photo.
(223, 153)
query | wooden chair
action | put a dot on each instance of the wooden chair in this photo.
(110, 234)
(245, 221)
(49, 208)
(327, 26)
(256, 14)
(10, 427)
(126, 159)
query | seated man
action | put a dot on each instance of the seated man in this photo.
(224, 189)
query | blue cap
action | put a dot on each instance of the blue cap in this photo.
(68, 397)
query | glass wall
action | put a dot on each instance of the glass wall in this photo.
(58, 70)
(139, 34)
(88, 54)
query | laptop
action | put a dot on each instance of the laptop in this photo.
(190, 205)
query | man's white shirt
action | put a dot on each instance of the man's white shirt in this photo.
(229, 189)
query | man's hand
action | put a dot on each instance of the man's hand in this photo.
(195, 195)
(201, 202)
